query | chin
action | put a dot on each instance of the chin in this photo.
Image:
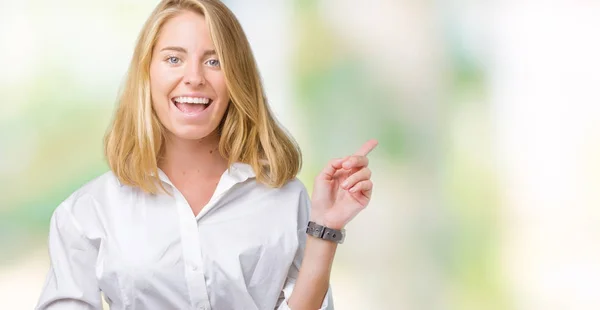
(187, 133)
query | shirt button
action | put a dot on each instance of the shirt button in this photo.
(194, 268)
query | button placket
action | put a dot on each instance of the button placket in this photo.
(191, 252)
(190, 239)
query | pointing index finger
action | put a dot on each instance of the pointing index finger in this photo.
(367, 148)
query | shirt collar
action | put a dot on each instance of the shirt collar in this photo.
(241, 171)
(238, 172)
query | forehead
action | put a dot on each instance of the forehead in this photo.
(187, 29)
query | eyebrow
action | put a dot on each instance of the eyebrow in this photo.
(183, 50)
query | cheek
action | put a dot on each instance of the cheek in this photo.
(161, 81)
(217, 80)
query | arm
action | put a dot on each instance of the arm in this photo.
(313, 281)
(71, 282)
(341, 191)
(314, 290)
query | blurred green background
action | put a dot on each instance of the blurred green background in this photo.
(487, 112)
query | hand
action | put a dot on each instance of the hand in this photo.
(343, 189)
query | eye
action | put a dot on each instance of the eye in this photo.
(213, 62)
(173, 60)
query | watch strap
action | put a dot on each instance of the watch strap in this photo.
(326, 233)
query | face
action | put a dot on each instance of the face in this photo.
(187, 85)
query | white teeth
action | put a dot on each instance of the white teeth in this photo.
(193, 100)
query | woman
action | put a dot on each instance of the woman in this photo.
(201, 208)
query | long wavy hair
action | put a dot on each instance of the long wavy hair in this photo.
(248, 131)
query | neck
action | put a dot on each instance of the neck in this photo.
(192, 158)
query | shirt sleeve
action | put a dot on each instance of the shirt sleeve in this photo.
(303, 216)
(71, 281)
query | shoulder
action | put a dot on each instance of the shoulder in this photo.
(96, 189)
(294, 194)
(299, 201)
(81, 206)
(293, 189)
(289, 204)
(294, 186)
(289, 196)
(98, 185)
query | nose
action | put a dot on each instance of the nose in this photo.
(193, 75)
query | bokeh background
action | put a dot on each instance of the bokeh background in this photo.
(488, 115)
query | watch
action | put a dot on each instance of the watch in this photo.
(326, 233)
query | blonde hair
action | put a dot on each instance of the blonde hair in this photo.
(248, 131)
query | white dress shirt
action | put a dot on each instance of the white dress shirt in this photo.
(242, 251)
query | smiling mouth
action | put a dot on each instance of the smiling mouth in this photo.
(191, 105)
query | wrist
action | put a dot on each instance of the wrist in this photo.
(326, 233)
(321, 216)
(329, 223)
